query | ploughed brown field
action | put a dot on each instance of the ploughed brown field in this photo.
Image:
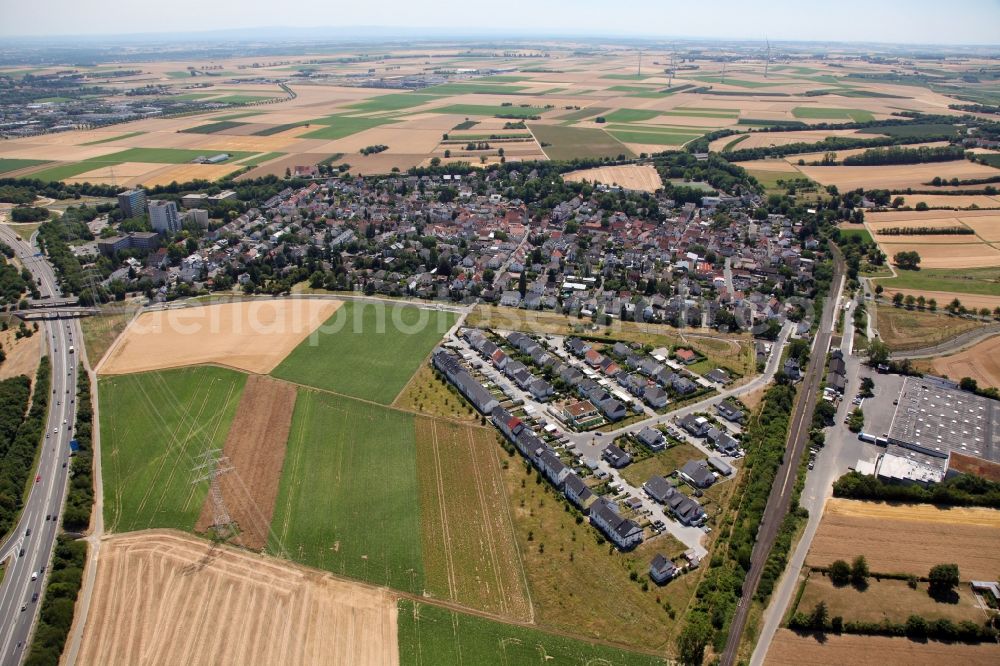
(163, 597)
(910, 538)
(255, 449)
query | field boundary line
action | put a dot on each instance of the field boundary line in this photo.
(445, 531)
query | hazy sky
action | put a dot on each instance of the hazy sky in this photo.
(909, 21)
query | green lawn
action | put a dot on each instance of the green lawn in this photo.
(631, 115)
(980, 281)
(153, 426)
(490, 110)
(566, 143)
(393, 102)
(348, 500)
(860, 231)
(366, 350)
(120, 137)
(13, 164)
(819, 113)
(434, 636)
(337, 127)
(212, 128)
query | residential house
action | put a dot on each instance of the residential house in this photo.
(658, 488)
(655, 397)
(622, 532)
(730, 411)
(615, 456)
(651, 438)
(662, 570)
(696, 473)
(696, 425)
(578, 492)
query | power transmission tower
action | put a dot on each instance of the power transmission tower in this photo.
(724, 63)
(210, 466)
(639, 75)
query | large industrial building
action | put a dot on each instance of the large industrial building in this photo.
(935, 422)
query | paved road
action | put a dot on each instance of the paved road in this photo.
(44, 505)
(784, 482)
(841, 452)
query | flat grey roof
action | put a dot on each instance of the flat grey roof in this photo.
(934, 419)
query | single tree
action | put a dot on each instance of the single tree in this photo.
(878, 352)
(859, 572)
(943, 580)
(840, 572)
(693, 639)
(819, 616)
(897, 299)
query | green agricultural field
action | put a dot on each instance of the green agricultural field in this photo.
(277, 129)
(13, 164)
(120, 137)
(769, 179)
(190, 97)
(582, 114)
(393, 102)
(149, 155)
(639, 88)
(732, 144)
(734, 82)
(629, 77)
(259, 159)
(631, 115)
(505, 78)
(434, 636)
(655, 138)
(366, 350)
(450, 89)
(337, 127)
(236, 116)
(990, 159)
(566, 143)
(153, 427)
(692, 113)
(979, 281)
(490, 110)
(348, 500)
(213, 128)
(819, 113)
(913, 131)
(243, 99)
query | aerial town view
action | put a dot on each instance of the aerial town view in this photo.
(420, 334)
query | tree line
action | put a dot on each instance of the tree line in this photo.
(22, 434)
(961, 490)
(80, 498)
(897, 155)
(61, 590)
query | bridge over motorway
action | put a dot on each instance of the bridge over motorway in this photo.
(43, 314)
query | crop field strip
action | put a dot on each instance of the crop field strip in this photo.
(470, 552)
(366, 357)
(147, 155)
(348, 500)
(153, 427)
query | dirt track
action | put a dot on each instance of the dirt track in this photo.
(255, 448)
(254, 335)
(162, 597)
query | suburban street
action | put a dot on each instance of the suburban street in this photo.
(41, 512)
(591, 444)
(842, 451)
(780, 497)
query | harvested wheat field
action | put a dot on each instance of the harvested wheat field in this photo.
(254, 336)
(981, 362)
(642, 177)
(892, 177)
(937, 254)
(163, 597)
(255, 449)
(909, 539)
(957, 201)
(22, 355)
(795, 649)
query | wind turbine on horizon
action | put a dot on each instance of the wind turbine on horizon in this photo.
(767, 61)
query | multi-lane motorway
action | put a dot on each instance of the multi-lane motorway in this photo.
(28, 555)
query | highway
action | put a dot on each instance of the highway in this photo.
(780, 498)
(40, 515)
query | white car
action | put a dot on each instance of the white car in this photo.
(55, 430)
(34, 575)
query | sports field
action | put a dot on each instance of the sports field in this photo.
(154, 425)
(348, 501)
(433, 636)
(470, 551)
(366, 350)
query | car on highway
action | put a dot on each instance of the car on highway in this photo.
(34, 597)
(38, 478)
(24, 607)
(27, 532)
(34, 575)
